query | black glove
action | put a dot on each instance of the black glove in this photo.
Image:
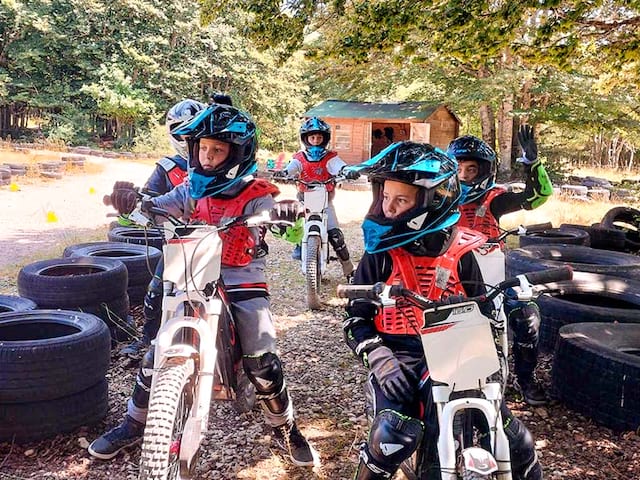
(396, 380)
(123, 198)
(286, 211)
(350, 174)
(528, 145)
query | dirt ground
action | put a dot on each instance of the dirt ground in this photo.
(324, 379)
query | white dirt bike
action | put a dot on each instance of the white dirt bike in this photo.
(468, 369)
(197, 354)
(315, 240)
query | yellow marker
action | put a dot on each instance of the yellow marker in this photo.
(13, 187)
(92, 190)
(51, 217)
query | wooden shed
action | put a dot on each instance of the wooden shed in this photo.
(359, 130)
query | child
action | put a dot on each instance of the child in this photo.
(170, 171)
(411, 237)
(222, 146)
(483, 205)
(315, 162)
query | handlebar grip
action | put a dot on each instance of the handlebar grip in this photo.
(360, 291)
(538, 227)
(550, 275)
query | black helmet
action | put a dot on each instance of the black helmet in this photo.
(227, 124)
(426, 167)
(315, 125)
(181, 112)
(469, 147)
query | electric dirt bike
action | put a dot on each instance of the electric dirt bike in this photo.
(461, 338)
(197, 354)
(315, 240)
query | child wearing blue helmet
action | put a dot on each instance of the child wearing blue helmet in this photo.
(411, 237)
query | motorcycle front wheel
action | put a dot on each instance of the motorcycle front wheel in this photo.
(169, 407)
(314, 272)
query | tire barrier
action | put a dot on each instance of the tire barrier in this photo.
(596, 371)
(581, 258)
(626, 220)
(13, 303)
(587, 298)
(152, 237)
(52, 371)
(140, 261)
(600, 237)
(568, 236)
(89, 284)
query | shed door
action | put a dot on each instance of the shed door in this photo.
(420, 132)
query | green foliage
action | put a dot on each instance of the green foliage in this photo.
(152, 140)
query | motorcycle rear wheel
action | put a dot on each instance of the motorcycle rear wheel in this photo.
(169, 408)
(314, 272)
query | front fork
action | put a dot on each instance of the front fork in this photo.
(490, 408)
(315, 226)
(203, 352)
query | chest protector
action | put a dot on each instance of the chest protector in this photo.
(174, 173)
(478, 216)
(314, 170)
(238, 243)
(433, 277)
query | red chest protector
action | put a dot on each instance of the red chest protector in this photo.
(314, 170)
(478, 216)
(238, 244)
(175, 174)
(433, 277)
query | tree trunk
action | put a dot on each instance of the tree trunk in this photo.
(488, 124)
(506, 127)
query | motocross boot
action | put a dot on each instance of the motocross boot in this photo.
(336, 239)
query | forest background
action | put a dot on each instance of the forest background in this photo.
(81, 72)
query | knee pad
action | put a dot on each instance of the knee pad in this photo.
(393, 438)
(336, 239)
(524, 320)
(265, 372)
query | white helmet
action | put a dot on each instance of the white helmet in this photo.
(181, 112)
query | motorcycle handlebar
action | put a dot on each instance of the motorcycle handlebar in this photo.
(522, 230)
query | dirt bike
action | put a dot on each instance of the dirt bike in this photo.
(197, 353)
(461, 338)
(315, 240)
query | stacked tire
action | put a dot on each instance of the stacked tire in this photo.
(140, 261)
(87, 284)
(52, 371)
(140, 236)
(5, 176)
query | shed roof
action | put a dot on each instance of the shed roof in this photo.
(391, 111)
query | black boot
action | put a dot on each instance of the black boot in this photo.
(291, 440)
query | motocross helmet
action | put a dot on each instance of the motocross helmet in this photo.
(469, 147)
(227, 124)
(181, 112)
(315, 125)
(419, 164)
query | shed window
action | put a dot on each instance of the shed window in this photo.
(343, 137)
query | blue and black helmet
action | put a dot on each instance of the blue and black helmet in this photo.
(227, 124)
(469, 147)
(434, 173)
(315, 125)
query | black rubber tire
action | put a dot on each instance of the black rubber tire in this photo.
(32, 421)
(588, 297)
(596, 371)
(73, 281)
(313, 275)
(581, 259)
(115, 314)
(568, 236)
(13, 303)
(600, 237)
(47, 354)
(170, 404)
(140, 261)
(626, 220)
(151, 237)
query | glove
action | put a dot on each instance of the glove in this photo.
(528, 144)
(286, 211)
(349, 173)
(123, 198)
(396, 381)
